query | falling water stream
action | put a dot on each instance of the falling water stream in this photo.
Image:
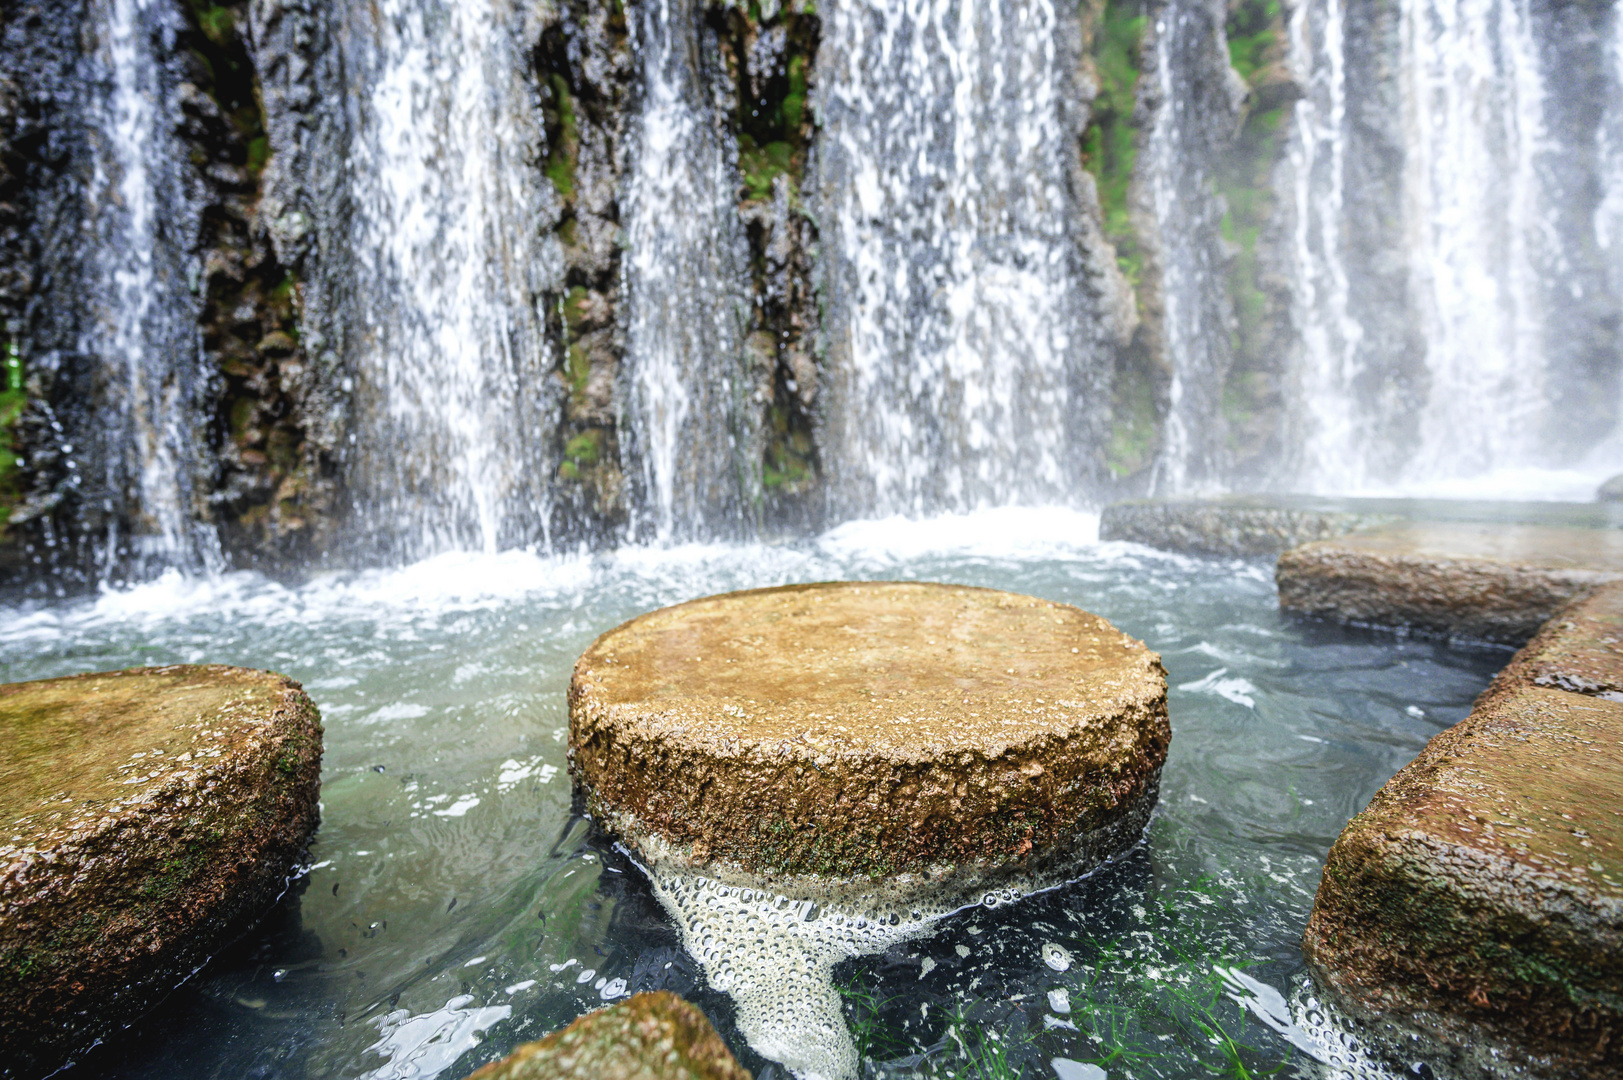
(449, 260)
(967, 355)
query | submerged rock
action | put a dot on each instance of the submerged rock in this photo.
(1478, 900)
(815, 772)
(1491, 582)
(150, 816)
(1202, 527)
(654, 1036)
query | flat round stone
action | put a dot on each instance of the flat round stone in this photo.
(147, 817)
(853, 731)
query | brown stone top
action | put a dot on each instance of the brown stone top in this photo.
(1533, 546)
(146, 817)
(71, 747)
(655, 1036)
(867, 727)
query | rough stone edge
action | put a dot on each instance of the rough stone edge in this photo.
(933, 890)
(704, 1056)
(1476, 1049)
(24, 1053)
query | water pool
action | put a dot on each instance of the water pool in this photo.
(454, 905)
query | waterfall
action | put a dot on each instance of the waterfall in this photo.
(692, 413)
(141, 324)
(964, 341)
(1192, 100)
(449, 258)
(1454, 315)
(1314, 179)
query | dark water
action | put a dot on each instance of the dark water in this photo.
(454, 904)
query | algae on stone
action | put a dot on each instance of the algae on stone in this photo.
(1478, 899)
(151, 815)
(655, 1036)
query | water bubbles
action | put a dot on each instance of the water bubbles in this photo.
(1056, 957)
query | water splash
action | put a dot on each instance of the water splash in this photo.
(964, 334)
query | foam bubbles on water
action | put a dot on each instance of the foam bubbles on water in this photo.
(775, 956)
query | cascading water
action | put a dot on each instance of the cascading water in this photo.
(450, 257)
(142, 324)
(692, 411)
(1314, 182)
(964, 335)
(1452, 313)
(1193, 103)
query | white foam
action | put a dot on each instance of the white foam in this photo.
(1008, 532)
(775, 957)
(423, 1046)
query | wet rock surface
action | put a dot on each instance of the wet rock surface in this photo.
(655, 1036)
(1580, 650)
(1221, 528)
(1490, 582)
(150, 816)
(850, 732)
(1478, 900)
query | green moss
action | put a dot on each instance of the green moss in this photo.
(1133, 434)
(563, 136)
(1110, 142)
(759, 166)
(787, 465)
(12, 400)
(585, 448)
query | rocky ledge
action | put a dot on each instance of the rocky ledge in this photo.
(150, 816)
(1478, 900)
(654, 1036)
(1489, 582)
(817, 734)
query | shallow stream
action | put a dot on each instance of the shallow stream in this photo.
(454, 906)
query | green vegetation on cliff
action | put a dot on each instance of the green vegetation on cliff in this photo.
(12, 399)
(1109, 145)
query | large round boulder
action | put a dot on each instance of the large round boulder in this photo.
(815, 735)
(150, 816)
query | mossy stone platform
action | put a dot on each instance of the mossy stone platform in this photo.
(654, 1036)
(1478, 900)
(1491, 582)
(146, 817)
(859, 731)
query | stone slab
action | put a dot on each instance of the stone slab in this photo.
(655, 1036)
(147, 817)
(856, 731)
(1478, 899)
(1210, 527)
(1489, 582)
